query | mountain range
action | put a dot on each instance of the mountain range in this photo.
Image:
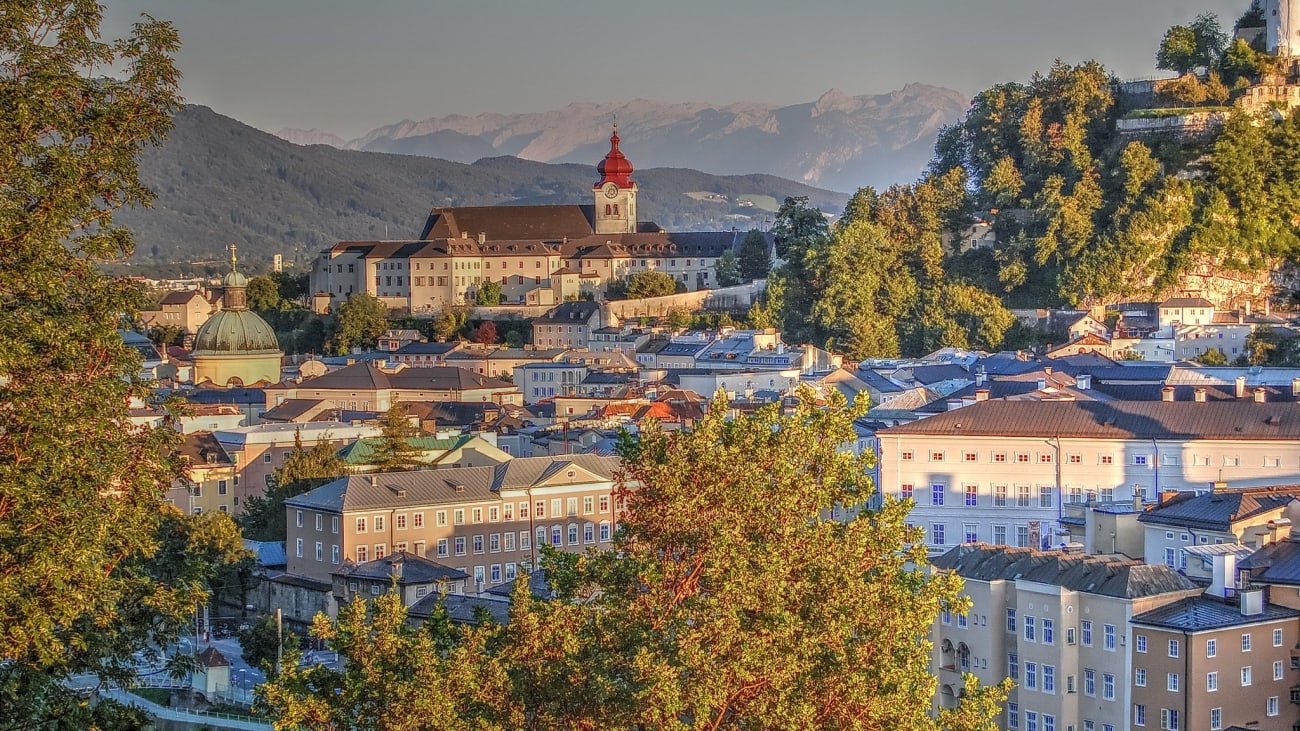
(839, 141)
(219, 181)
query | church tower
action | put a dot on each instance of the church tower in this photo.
(1282, 27)
(615, 192)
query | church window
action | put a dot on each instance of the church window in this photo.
(608, 209)
(615, 209)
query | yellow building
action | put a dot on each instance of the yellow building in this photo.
(236, 346)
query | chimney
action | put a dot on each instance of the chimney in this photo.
(373, 481)
(1167, 495)
(1047, 370)
(1167, 394)
(1295, 386)
(464, 234)
(1241, 387)
(1042, 384)
(981, 394)
(1137, 499)
(1084, 382)
(981, 377)
(1259, 395)
(1199, 396)
(1218, 485)
(1252, 601)
(482, 237)
(1247, 307)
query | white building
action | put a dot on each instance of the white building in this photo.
(1001, 472)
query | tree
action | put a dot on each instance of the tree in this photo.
(164, 335)
(263, 294)
(679, 320)
(1240, 61)
(489, 294)
(1211, 40)
(260, 645)
(726, 270)
(755, 260)
(449, 323)
(1186, 89)
(642, 284)
(1178, 51)
(209, 547)
(1215, 90)
(359, 323)
(303, 470)
(1212, 357)
(393, 449)
(758, 612)
(292, 288)
(798, 225)
(486, 333)
(81, 503)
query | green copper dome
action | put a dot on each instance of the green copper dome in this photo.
(234, 279)
(235, 331)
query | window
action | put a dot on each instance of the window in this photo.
(1270, 707)
(1022, 457)
(1139, 715)
(221, 487)
(381, 550)
(1076, 459)
(539, 509)
(480, 576)
(1139, 642)
(334, 525)
(1000, 535)
(907, 455)
(1277, 669)
(1108, 637)
(1245, 642)
(936, 495)
(1049, 631)
(1140, 460)
(972, 495)
(494, 514)
(1171, 682)
(1013, 715)
(1013, 666)
(1044, 458)
(962, 620)
(1011, 620)
(361, 554)
(298, 546)
(970, 533)
(589, 533)
(556, 507)
(495, 573)
(905, 491)
(937, 536)
(525, 540)
(588, 505)
(573, 534)
(604, 531)
(399, 521)
(1049, 722)
(1211, 682)
(969, 457)
(297, 520)
(511, 572)
(1000, 457)
(1031, 676)
(494, 543)
(1173, 648)
(1107, 459)
(1031, 629)
(361, 525)
(335, 555)
(476, 515)
(1211, 648)
(1277, 638)
(442, 548)
(440, 518)
(936, 456)
(1022, 496)
(1049, 679)
(999, 496)
(458, 516)
(1140, 677)
(1216, 719)
(1031, 721)
(478, 544)
(320, 551)
(1107, 687)
(460, 545)
(1245, 676)
(604, 503)
(1090, 682)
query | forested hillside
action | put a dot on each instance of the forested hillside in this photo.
(219, 181)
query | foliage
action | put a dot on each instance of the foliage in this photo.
(1197, 45)
(449, 323)
(164, 335)
(1212, 357)
(755, 260)
(1270, 347)
(208, 548)
(292, 288)
(260, 644)
(393, 448)
(758, 611)
(1240, 61)
(486, 333)
(263, 294)
(489, 294)
(263, 518)
(641, 285)
(359, 323)
(727, 269)
(679, 320)
(82, 496)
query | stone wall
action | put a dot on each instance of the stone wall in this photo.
(727, 298)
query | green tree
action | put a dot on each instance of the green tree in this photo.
(1240, 61)
(1212, 357)
(1178, 51)
(263, 294)
(359, 323)
(303, 470)
(738, 617)
(1215, 90)
(260, 645)
(1211, 40)
(798, 225)
(449, 323)
(679, 320)
(208, 547)
(726, 270)
(755, 260)
(650, 284)
(81, 503)
(293, 288)
(164, 335)
(393, 448)
(1186, 90)
(489, 294)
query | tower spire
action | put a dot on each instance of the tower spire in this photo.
(234, 260)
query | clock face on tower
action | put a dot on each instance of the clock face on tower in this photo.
(611, 190)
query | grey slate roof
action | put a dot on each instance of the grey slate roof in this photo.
(460, 608)
(1235, 420)
(1202, 613)
(367, 377)
(418, 348)
(407, 568)
(432, 487)
(1218, 510)
(1276, 563)
(571, 312)
(1105, 576)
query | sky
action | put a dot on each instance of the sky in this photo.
(347, 67)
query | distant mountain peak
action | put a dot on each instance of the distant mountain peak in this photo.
(839, 141)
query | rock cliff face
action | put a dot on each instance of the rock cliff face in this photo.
(839, 141)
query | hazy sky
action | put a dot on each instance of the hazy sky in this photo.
(346, 66)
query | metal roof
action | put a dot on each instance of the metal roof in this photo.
(1102, 575)
(1203, 614)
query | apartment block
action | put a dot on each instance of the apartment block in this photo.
(484, 521)
(1002, 472)
(258, 451)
